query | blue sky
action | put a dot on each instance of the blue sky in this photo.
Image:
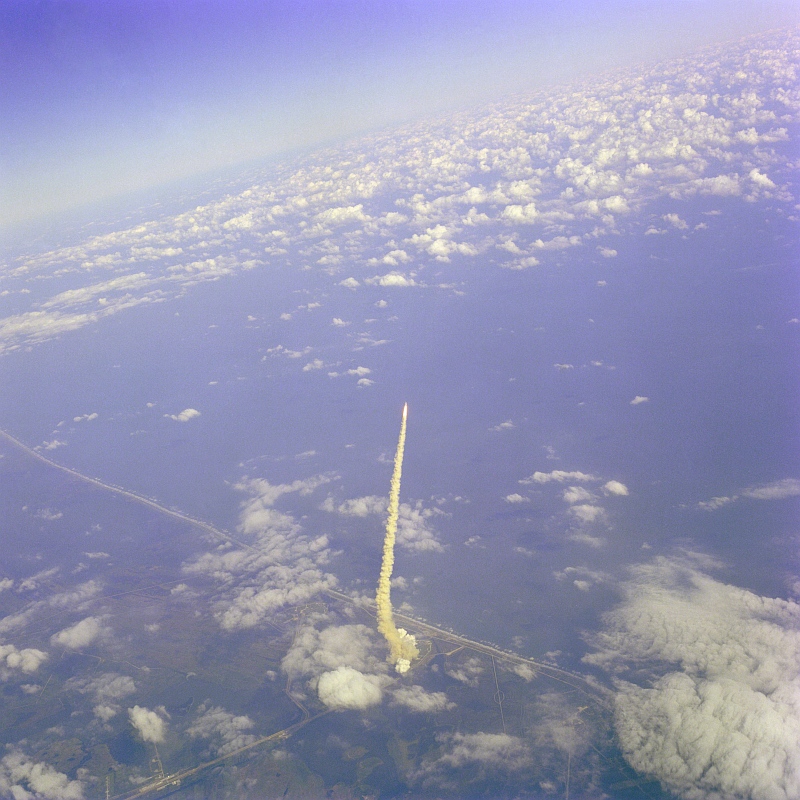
(101, 98)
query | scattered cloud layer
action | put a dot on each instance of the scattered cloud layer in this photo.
(514, 185)
(279, 566)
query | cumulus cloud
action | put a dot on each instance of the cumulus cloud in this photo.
(25, 779)
(105, 690)
(226, 731)
(708, 682)
(185, 415)
(149, 725)
(467, 671)
(616, 488)
(12, 660)
(346, 688)
(560, 476)
(587, 513)
(280, 565)
(393, 279)
(639, 399)
(81, 634)
(676, 221)
(415, 698)
(577, 494)
(516, 498)
(314, 651)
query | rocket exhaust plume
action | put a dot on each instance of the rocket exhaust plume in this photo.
(402, 645)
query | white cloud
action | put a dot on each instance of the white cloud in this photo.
(560, 476)
(342, 214)
(22, 778)
(521, 214)
(777, 490)
(414, 531)
(81, 634)
(761, 180)
(577, 494)
(516, 498)
(615, 487)
(75, 598)
(415, 698)
(226, 730)
(639, 399)
(185, 415)
(358, 506)
(27, 660)
(105, 690)
(587, 513)
(393, 279)
(281, 566)
(467, 671)
(582, 578)
(149, 725)
(350, 283)
(346, 688)
(489, 751)
(503, 426)
(719, 715)
(313, 652)
(607, 252)
(339, 323)
(676, 221)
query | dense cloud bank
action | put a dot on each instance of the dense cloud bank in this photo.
(715, 707)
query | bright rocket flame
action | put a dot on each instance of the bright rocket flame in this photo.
(402, 645)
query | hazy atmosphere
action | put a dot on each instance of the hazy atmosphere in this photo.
(400, 400)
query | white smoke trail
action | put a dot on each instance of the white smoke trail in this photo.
(402, 645)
